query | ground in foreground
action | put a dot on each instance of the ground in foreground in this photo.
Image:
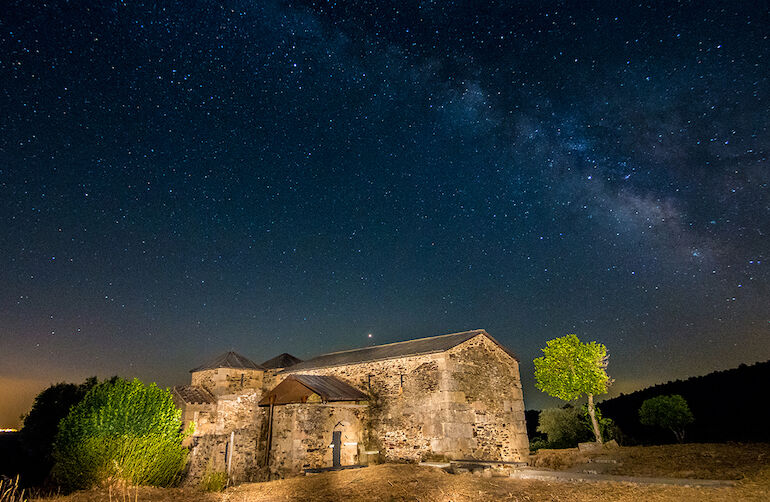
(391, 482)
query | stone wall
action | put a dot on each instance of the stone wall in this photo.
(228, 380)
(404, 394)
(210, 454)
(463, 403)
(492, 404)
(199, 413)
(302, 435)
(237, 412)
(236, 415)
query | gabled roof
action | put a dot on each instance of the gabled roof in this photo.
(420, 346)
(281, 361)
(297, 389)
(229, 360)
(194, 394)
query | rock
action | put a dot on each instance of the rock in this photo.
(589, 447)
(611, 445)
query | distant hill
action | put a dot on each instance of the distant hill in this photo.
(728, 405)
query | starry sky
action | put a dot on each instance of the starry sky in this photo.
(178, 179)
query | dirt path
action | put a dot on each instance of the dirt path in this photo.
(638, 480)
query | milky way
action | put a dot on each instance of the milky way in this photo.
(180, 179)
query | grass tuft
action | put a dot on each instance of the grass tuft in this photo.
(214, 482)
(9, 491)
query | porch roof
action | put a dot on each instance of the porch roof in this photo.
(298, 388)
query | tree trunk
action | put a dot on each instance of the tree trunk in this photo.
(592, 414)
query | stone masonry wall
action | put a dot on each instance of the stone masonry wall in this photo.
(464, 403)
(228, 380)
(236, 414)
(211, 452)
(302, 434)
(404, 396)
(492, 413)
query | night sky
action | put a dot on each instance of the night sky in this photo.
(178, 179)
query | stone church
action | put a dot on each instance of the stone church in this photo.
(447, 397)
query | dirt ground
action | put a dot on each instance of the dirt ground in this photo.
(748, 464)
(699, 461)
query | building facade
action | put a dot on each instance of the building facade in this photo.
(446, 397)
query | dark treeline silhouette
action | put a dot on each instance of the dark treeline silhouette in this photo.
(728, 405)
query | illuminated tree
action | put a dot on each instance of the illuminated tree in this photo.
(570, 368)
(668, 412)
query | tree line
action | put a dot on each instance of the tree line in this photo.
(729, 405)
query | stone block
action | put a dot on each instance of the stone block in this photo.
(589, 447)
(458, 430)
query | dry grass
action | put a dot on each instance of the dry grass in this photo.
(10, 491)
(698, 461)
(401, 483)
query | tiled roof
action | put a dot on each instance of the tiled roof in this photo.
(281, 361)
(194, 394)
(229, 360)
(297, 388)
(420, 346)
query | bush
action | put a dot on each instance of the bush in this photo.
(121, 430)
(568, 426)
(538, 443)
(565, 427)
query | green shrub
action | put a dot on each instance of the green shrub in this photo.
(121, 430)
(565, 427)
(538, 443)
(214, 482)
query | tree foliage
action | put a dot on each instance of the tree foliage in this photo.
(41, 424)
(565, 427)
(668, 412)
(121, 430)
(570, 369)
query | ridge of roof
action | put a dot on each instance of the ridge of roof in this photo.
(417, 346)
(229, 359)
(281, 361)
(445, 335)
